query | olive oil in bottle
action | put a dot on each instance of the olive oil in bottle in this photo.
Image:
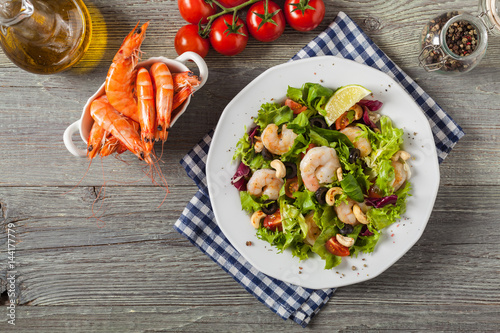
(44, 36)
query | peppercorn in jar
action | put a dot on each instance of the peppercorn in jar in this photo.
(455, 42)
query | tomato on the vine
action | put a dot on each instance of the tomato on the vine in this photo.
(195, 11)
(304, 15)
(264, 24)
(231, 3)
(228, 37)
(188, 39)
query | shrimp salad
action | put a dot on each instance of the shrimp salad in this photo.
(313, 188)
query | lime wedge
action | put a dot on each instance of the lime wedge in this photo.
(342, 100)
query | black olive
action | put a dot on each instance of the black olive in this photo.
(347, 229)
(320, 195)
(291, 170)
(318, 122)
(266, 154)
(354, 155)
(270, 207)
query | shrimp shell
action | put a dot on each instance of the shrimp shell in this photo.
(164, 87)
(146, 108)
(120, 80)
(119, 126)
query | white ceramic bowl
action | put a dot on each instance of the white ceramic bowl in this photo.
(84, 124)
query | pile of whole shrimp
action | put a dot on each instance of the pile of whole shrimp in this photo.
(137, 107)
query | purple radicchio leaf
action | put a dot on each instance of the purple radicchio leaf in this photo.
(365, 231)
(253, 132)
(238, 180)
(367, 120)
(381, 202)
(372, 105)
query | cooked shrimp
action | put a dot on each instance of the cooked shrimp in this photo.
(109, 146)
(400, 175)
(359, 142)
(345, 213)
(164, 87)
(184, 84)
(319, 166)
(265, 182)
(183, 79)
(277, 143)
(112, 144)
(181, 96)
(120, 81)
(95, 142)
(313, 230)
(146, 108)
(119, 126)
(401, 169)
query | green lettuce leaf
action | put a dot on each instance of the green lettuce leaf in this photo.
(366, 244)
(251, 203)
(273, 113)
(385, 216)
(320, 249)
(384, 145)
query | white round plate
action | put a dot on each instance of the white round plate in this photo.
(271, 86)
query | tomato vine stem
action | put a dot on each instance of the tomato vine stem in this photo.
(224, 10)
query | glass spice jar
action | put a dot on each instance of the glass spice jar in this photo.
(455, 42)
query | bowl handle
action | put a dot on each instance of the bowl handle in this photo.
(68, 140)
(202, 66)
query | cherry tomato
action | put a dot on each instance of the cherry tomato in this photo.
(291, 186)
(342, 122)
(273, 221)
(296, 107)
(188, 39)
(228, 38)
(375, 192)
(195, 11)
(265, 25)
(301, 16)
(337, 249)
(231, 3)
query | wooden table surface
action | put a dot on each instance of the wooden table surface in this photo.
(134, 272)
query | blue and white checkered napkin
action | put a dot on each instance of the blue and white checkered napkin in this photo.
(197, 223)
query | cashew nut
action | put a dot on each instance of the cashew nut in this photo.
(358, 111)
(258, 146)
(257, 218)
(279, 167)
(401, 154)
(360, 216)
(339, 174)
(330, 195)
(344, 240)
